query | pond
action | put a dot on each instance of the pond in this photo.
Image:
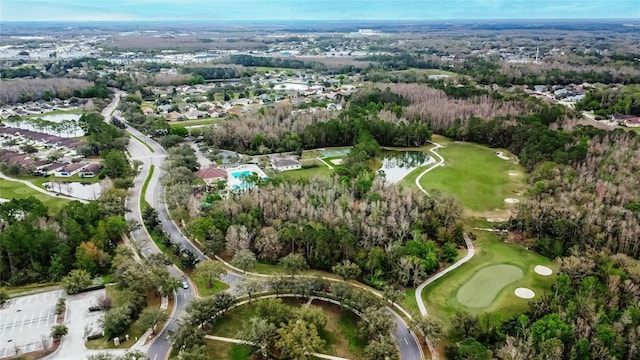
(398, 164)
(86, 191)
(71, 130)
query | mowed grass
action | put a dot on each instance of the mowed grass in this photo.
(441, 297)
(340, 334)
(205, 290)
(196, 122)
(475, 175)
(220, 350)
(16, 190)
(480, 290)
(274, 269)
(307, 173)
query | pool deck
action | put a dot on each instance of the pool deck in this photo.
(235, 183)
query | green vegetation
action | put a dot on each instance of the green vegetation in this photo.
(340, 334)
(205, 290)
(342, 331)
(441, 297)
(605, 102)
(475, 175)
(196, 122)
(275, 269)
(17, 190)
(135, 331)
(220, 350)
(143, 202)
(480, 290)
(320, 171)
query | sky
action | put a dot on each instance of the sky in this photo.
(265, 10)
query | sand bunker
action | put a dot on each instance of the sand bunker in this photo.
(524, 293)
(493, 220)
(511, 201)
(513, 173)
(542, 270)
(337, 161)
(501, 155)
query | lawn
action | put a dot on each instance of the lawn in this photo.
(430, 72)
(135, 330)
(16, 190)
(475, 175)
(307, 173)
(205, 290)
(441, 297)
(341, 334)
(219, 350)
(271, 269)
(196, 122)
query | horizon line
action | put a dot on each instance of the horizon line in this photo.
(316, 20)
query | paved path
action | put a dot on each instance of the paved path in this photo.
(326, 163)
(439, 163)
(160, 347)
(408, 343)
(39, 189)
(470, 252)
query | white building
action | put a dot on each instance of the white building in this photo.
(286, 164)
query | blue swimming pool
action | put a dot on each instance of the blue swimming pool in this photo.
(237, 174)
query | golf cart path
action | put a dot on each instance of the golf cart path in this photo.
(470, 250)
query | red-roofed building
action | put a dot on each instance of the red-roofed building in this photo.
(632, 122)
(212, 175)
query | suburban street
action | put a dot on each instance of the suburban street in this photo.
(160, 347)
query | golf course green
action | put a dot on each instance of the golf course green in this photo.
(485, 285)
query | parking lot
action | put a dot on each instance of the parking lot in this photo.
(25, 321)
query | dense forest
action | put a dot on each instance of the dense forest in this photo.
(293, 132)
(392, 234)
(249, 60)
(38, 247)
(604, 102)
(23, 90)
(574, 205)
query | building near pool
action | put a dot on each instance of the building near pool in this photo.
(212, 175)
(286, 164)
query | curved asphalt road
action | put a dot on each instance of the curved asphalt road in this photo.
(161, 346)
